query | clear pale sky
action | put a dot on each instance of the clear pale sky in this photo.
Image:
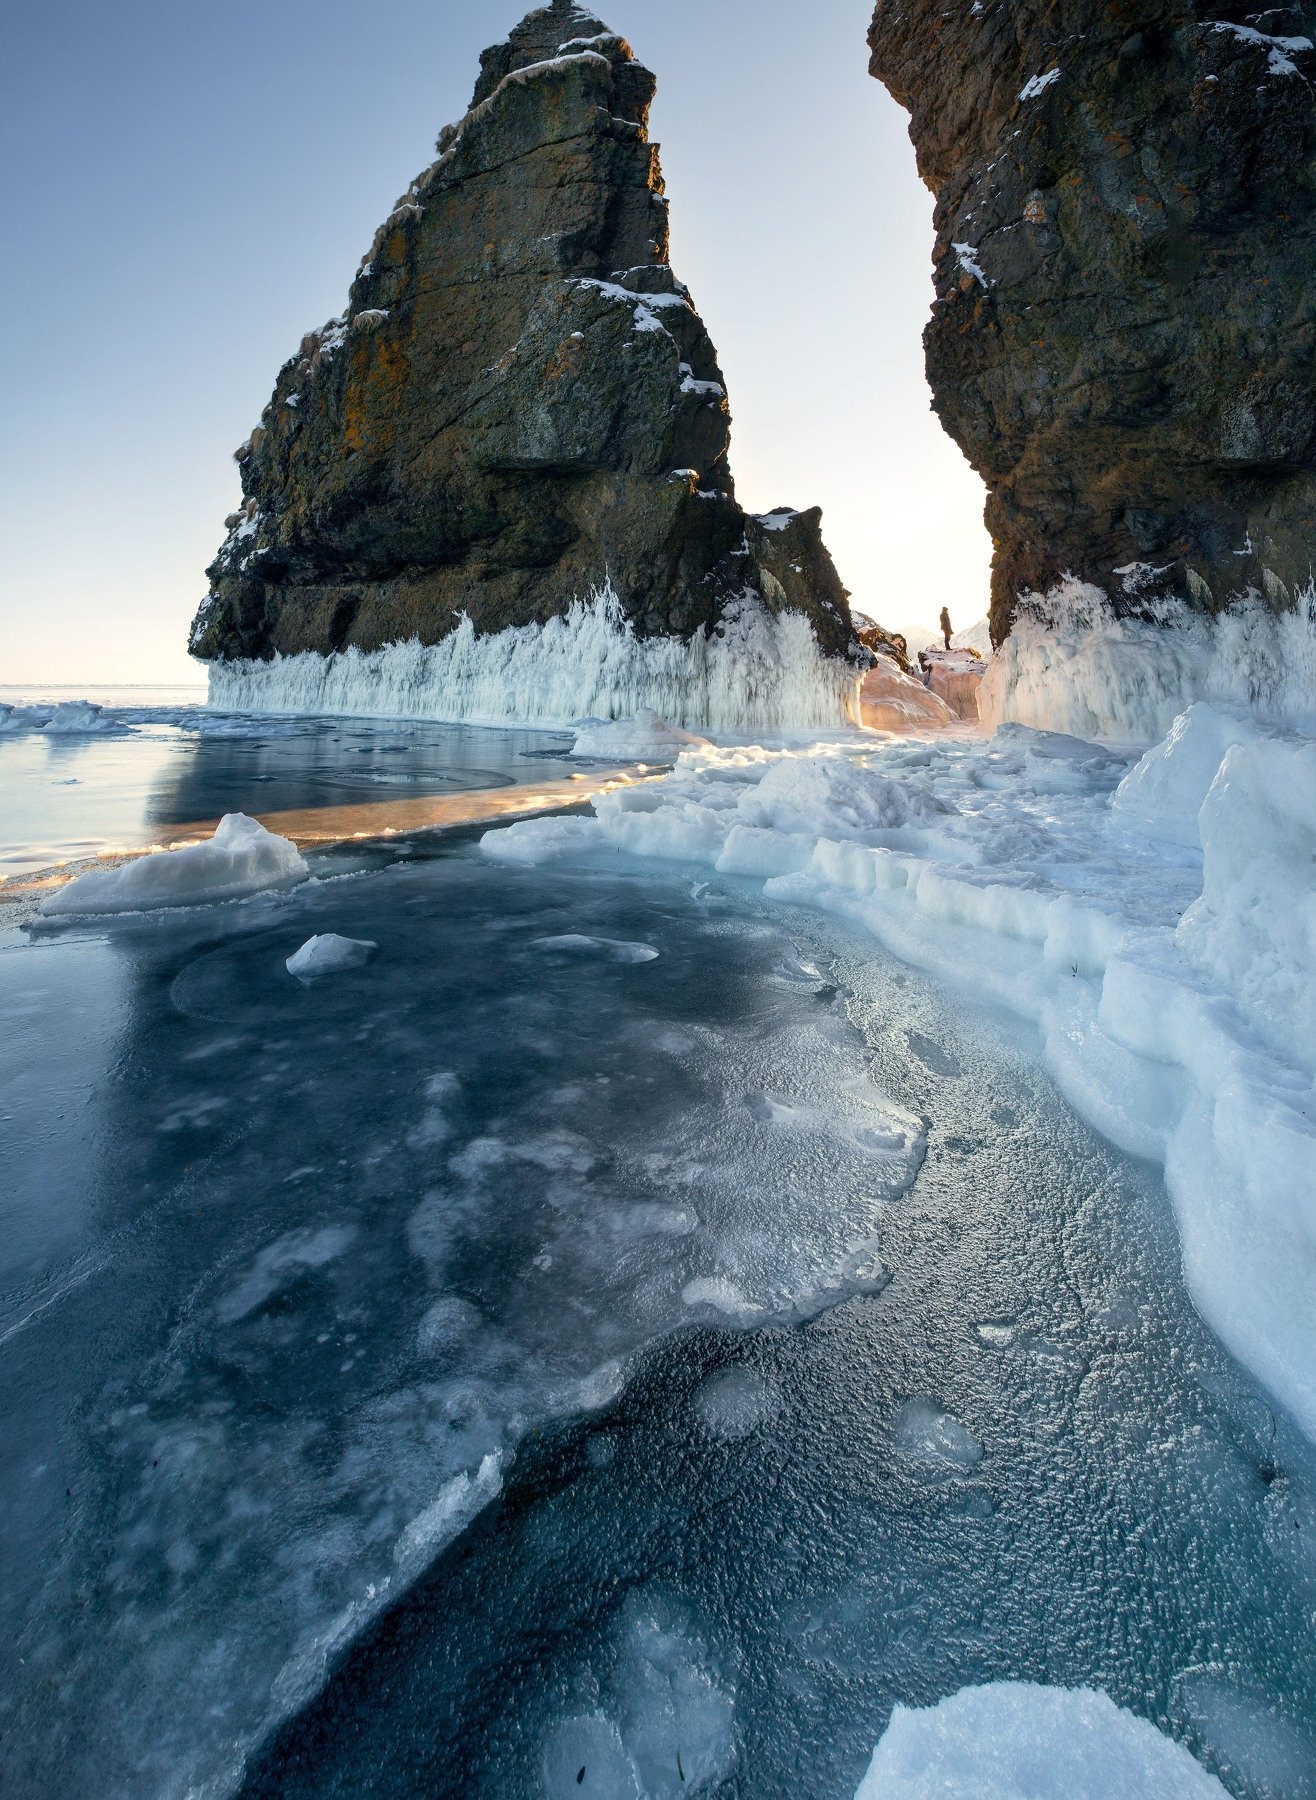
(185, 189)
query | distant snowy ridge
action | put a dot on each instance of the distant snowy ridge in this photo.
(1070, 665)
(762, 671)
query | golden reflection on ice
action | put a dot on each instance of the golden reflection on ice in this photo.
(313, 826)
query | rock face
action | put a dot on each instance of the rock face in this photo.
(891, 700)
(1124, 332)
(955, 676)
(519, 403)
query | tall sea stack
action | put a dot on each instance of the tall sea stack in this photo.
(519, 405)
(1124, 336)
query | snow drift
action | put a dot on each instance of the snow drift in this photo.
(759, 670)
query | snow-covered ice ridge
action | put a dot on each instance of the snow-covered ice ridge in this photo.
(1156, 919)
(1071, 665)
(760, 671)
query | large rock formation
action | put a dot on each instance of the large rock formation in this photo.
(1125, 323)
(519, 403)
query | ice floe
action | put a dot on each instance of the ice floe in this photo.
(645, 738)
(242, 858)
(1014, 1740)
(328, 954)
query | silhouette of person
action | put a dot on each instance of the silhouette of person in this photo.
(945, 625)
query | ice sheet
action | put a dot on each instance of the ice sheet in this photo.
(1176, 998)
(351, 1239)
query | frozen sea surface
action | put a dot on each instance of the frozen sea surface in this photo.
(138, 767)
(627, 1325)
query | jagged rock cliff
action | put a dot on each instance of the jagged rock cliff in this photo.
(519, 403)
(1124, 332)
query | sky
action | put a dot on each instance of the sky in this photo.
(185, 189)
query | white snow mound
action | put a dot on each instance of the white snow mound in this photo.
(645, 738)
(242, 858)
(1014, 1740)
(328, 954)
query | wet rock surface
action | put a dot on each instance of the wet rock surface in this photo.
(519, 404)
(1123, 334)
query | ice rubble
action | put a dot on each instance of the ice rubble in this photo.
(68, 718)
(1014, 1740)
(242, 858)
(1071, 665)
(1174, 984)
(759, 670)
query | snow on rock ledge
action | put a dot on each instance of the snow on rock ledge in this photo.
(758, 671)
(1013, 1740)
(242, 858)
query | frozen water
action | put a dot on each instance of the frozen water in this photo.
(344, 1244)
(1254, 926)
(1163, 795)
(242, 858)
(799, 1519)
(682, 1290)
(758, 670)
(174, 769)
(327, 954)
(1018, 1741)
(1070, 664)
(575, 943)
(937, 1445)
(1154, 921)
(734, 1402)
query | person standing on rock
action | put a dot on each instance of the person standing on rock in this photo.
(945, 625)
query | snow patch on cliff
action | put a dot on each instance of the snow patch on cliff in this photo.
(757, 671)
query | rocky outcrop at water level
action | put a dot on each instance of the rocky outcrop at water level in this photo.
(519, 404)
(1124, 333)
